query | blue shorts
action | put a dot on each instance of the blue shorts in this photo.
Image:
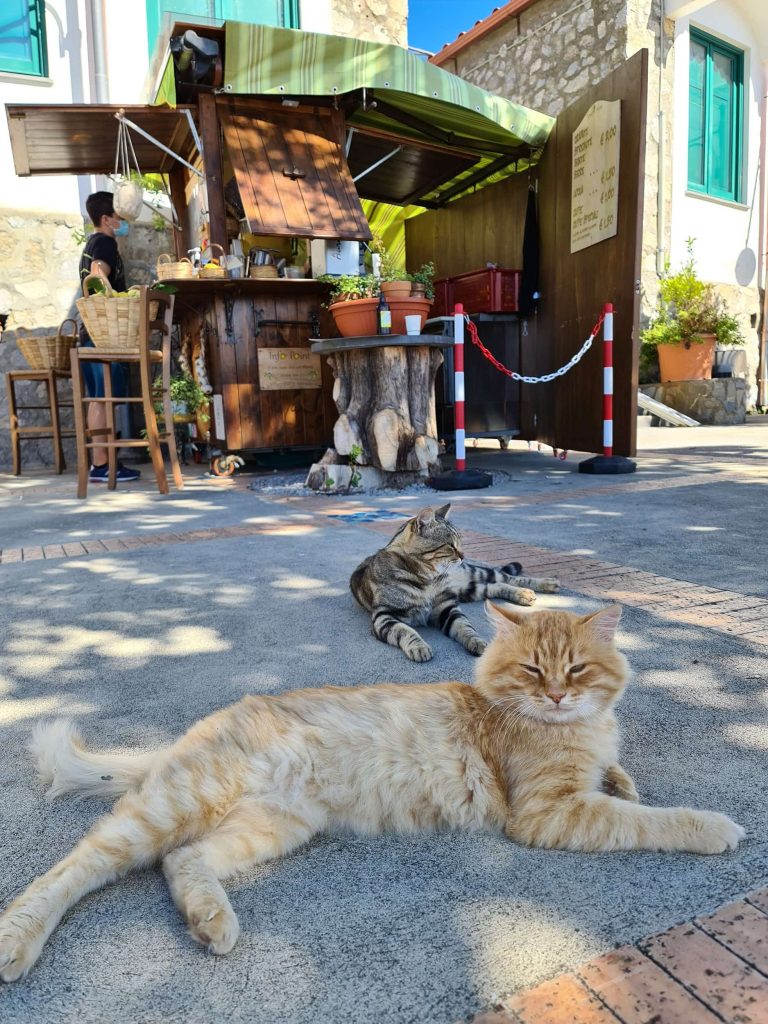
(93, 375)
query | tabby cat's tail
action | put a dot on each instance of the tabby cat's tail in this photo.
(67, 767)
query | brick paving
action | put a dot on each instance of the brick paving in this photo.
(712, 969)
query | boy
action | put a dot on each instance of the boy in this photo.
(101, 254)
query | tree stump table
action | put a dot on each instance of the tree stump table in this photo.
(384, 390)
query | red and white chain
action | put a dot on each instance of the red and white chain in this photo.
(545, 378)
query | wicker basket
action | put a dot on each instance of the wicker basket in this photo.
(265, 271)
(47, 351)
(174, 270)
(216, 272)
(113, 321)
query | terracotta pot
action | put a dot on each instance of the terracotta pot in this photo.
(401, 308)
(418, 290)
(396, 289)
(355, 318)
(690, 360)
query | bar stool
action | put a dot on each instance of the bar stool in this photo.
(48, 431)
(148, 360)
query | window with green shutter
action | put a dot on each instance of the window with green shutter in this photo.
(22, 37)
(715, 117)
(280, 13)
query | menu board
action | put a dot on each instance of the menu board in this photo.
(595, 175)
(288, 369)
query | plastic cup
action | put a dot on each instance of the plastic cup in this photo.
(413, 324)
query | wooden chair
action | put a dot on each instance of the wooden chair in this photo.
(46, 431)
(148, 360)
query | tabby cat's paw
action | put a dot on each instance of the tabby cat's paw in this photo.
(523, 596)
(710, 832)
(419, 652)
(20, 945)
(476, 645)
(547, 586)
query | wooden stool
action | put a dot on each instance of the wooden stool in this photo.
(152, 392)
(50, 430)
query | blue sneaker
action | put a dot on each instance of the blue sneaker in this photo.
(100, 474)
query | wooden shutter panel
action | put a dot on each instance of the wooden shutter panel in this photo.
(291, 172)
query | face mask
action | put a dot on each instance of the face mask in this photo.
(122, 229)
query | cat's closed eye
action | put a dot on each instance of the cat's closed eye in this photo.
(534, 669)
(575, 669)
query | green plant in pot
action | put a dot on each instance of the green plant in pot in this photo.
(690, 319)
(188, 400)
(352, 303)
(422, 281)
(395, 281)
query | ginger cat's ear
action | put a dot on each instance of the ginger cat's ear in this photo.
(505, 621)
(442, 512)
(604, 623)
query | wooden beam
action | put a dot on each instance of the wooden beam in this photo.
(177, 176)
(478, 176)
(210, 136)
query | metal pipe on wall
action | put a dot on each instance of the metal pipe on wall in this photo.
(762, 249)
(99, 44)
(660, 176)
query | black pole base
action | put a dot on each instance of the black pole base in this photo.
(612, 464)
(460, 480)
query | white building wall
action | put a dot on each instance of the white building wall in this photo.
(727, 234)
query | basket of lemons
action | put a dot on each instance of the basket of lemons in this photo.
(112, 319)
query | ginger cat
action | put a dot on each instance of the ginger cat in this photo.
(530, 750)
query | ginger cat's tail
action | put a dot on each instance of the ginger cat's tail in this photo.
(66, 766)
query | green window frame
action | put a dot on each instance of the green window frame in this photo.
(23, 49)
(279, 13)
(715, 117)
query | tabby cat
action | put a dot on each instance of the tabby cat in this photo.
(530, 750)
(420, 577)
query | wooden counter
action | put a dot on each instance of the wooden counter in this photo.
(270, 391)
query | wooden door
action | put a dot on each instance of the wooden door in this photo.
(568, 413)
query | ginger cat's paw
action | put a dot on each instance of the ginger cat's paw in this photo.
(617, 783)
(21, 943)
(547, 585)
(215, 926)
(419, 652)
(710, 832)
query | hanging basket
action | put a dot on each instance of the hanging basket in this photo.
(214, 270)
(113, 321)
(47, 351)
(128, 200)
(169, 269)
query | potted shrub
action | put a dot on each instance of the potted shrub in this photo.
(188, 399)
(395, 281)
(690, 318)
(422, 282)
(353, 303)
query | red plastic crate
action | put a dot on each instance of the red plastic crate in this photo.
(481, 291)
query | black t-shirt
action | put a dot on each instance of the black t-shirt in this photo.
(103, 247)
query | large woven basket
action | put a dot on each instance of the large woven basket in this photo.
(169, 269)
(47, 351)
(113, 321)
(209, 270)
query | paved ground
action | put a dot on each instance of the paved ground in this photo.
(137, 615)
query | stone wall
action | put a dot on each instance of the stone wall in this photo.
(39, 260)
(548, 55)
(381, 21)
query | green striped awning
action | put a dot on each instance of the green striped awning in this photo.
(261, 60)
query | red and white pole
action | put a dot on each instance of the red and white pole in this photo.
(608, 379)
(458, 386)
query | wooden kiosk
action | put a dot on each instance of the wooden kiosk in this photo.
(318, 137)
